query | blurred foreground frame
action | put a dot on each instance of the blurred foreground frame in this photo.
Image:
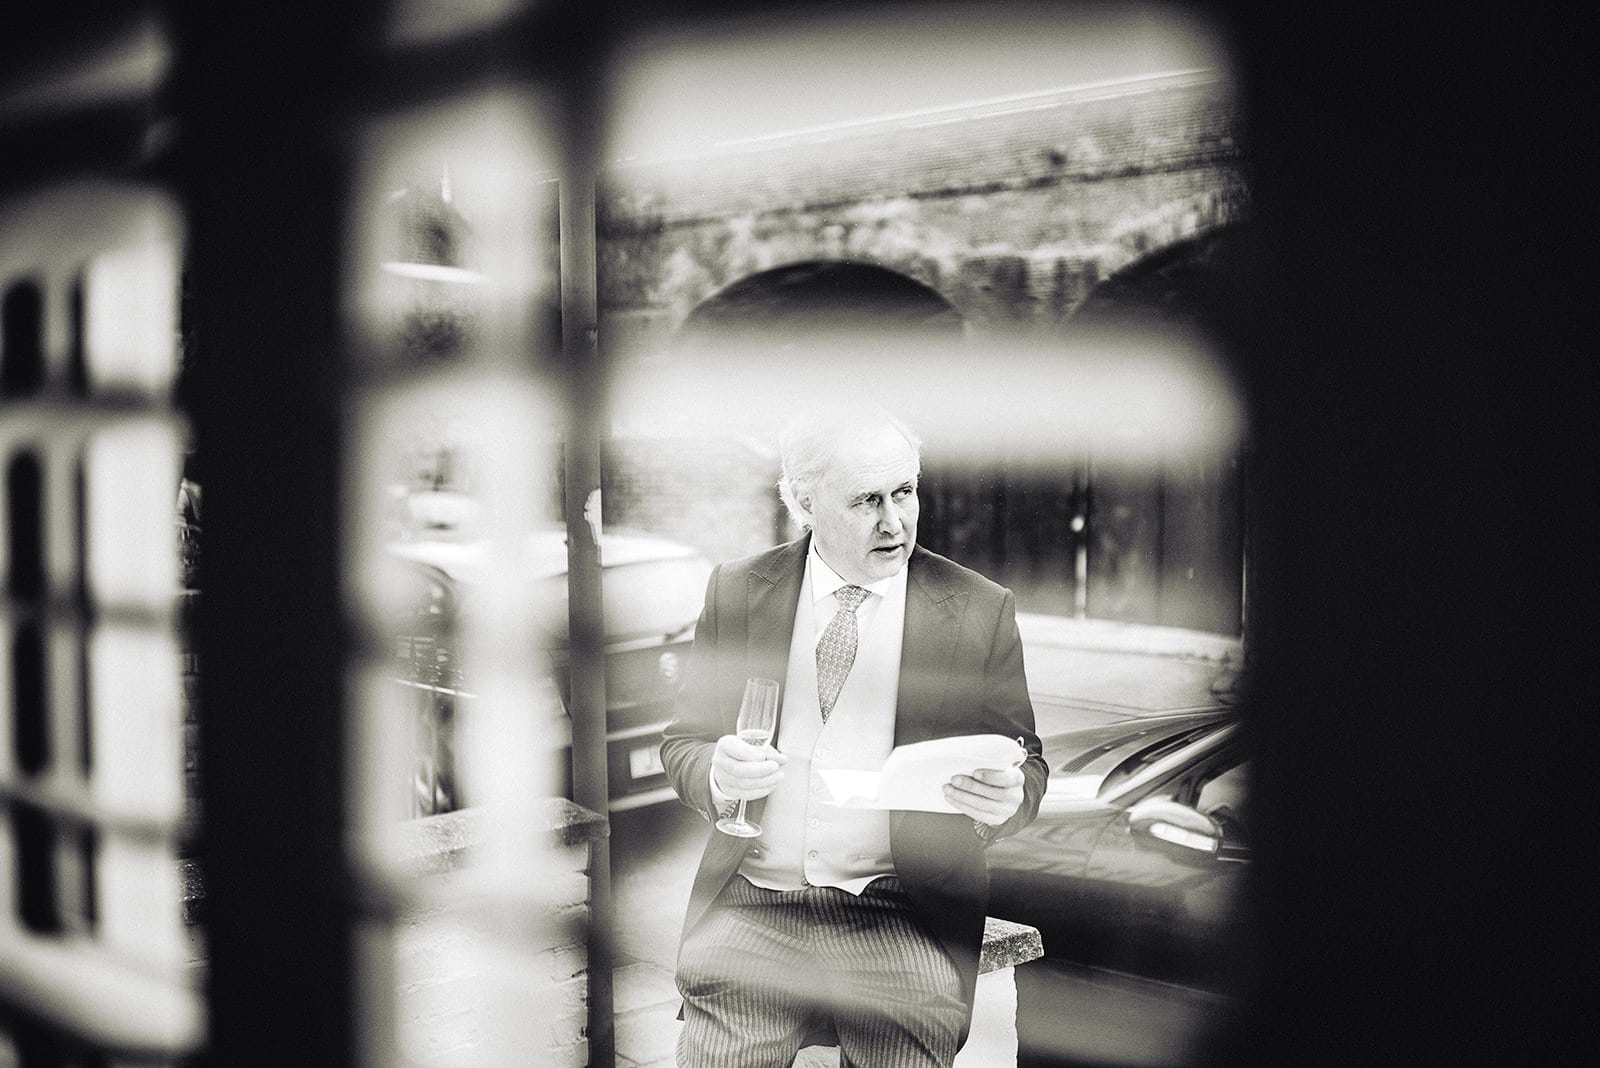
(259, 165)
(253, 122)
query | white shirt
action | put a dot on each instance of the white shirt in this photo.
(806, 839)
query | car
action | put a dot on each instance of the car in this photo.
(1136, 875)
(652, 590)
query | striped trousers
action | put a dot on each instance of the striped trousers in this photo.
(763, 969)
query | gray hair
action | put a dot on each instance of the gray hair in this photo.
(807, 446)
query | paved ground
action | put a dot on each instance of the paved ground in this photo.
(652, 851)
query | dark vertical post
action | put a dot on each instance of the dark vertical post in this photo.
(1249, 518)
(1082, 531)
(1163, 580)
(263, 95)
(581, 77)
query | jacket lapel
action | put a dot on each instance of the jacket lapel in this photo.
(772, 595)
(936, 856)
(933, 614)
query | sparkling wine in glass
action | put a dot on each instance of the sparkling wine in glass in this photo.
(758, 717)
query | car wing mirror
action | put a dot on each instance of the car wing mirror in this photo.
(1177, 830)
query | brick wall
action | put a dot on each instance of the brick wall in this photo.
(1172, 124)
(717, 493)
(1013, 217)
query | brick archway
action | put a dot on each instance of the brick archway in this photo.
(1194, 281)
(1166, 542)
(821, 296)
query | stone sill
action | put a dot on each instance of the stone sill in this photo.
(1007, 944)
(435, 845)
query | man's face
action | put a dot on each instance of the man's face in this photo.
(864, 508)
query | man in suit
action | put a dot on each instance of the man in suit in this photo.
(864, 925)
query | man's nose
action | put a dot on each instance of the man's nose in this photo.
(889, 518)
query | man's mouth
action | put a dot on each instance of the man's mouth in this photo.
(887, 549)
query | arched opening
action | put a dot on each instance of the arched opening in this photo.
(1142, 529)
(822, 297)
(1166, 542)
(1153, 535)
(1193, 283)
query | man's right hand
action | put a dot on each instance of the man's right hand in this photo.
(743, 771)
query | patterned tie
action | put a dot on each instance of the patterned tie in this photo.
(836, 651)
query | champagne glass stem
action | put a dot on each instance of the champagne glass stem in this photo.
(758, 713)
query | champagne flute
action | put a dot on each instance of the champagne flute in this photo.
(758, 718)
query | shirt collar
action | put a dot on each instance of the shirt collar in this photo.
(825, 581)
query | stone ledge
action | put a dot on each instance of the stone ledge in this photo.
(432, 845)
(1007, 944)
(436, 844)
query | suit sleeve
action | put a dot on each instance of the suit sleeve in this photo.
(697, 722)
(1009, 711)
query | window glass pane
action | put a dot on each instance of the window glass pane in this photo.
(459, 731)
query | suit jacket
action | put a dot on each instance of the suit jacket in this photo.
(960, 673)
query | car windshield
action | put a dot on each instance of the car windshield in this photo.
(640, 599)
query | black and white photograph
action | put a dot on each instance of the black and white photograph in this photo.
(749, 535)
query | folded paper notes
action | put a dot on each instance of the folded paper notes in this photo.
(914, 775)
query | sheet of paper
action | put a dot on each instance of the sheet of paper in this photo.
(914, 775)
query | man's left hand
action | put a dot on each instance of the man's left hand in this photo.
(988, 795)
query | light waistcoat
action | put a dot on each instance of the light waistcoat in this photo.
(806, 839)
